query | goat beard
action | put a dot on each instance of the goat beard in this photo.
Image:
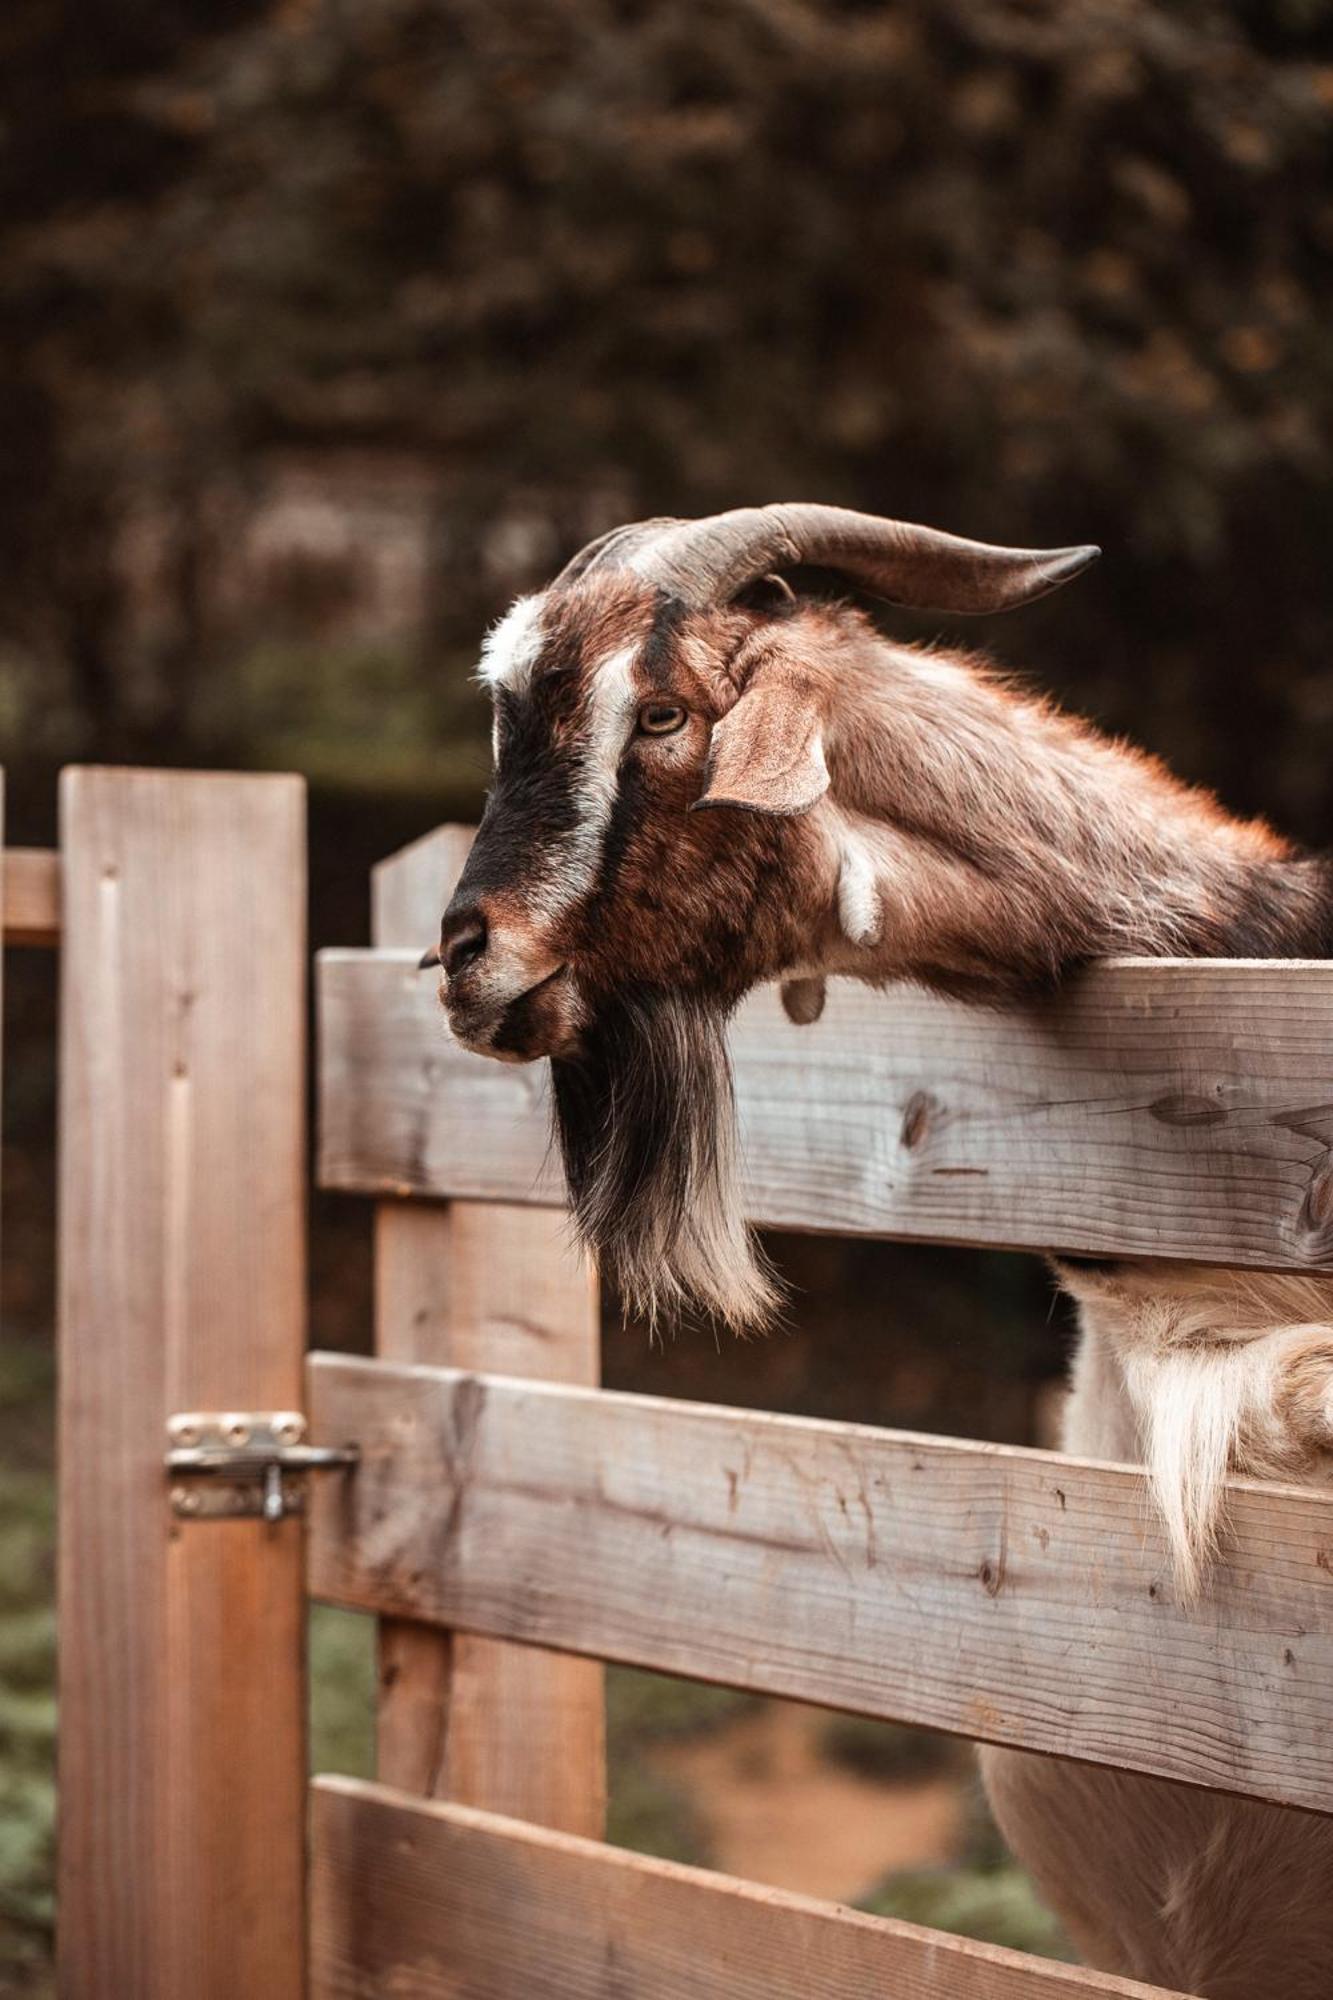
(645, 1119)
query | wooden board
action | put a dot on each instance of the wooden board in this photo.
(1017, 1596)
(1160, 1108)
(460, 1716)
(31, 896)
(182, 1696)
(409, 890)
(439, 1902)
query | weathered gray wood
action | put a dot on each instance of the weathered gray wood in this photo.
(1017, 1596)
(31, 896)
(409, 889)
(1159, 1108)
(182, 1692)
(439, 1902)
(480, 1285)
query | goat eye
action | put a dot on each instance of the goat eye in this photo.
(661, 718)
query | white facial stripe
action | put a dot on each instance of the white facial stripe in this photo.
(858, 893)
(613, 699)
(612, 702)
(510, 649)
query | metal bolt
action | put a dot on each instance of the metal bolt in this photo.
(274, 1496)
(289, 1428)
(236, 1430)
(184, 1432)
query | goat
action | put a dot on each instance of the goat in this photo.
(704, 780)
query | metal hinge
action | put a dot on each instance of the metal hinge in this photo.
(227, 1464)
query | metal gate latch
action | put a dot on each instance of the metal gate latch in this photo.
(225, 1465)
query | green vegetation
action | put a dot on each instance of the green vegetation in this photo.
(888, 1752)
(646, 1811)
(27, 1729)
(997, 1905)
(342, 1692)
(985, 1894)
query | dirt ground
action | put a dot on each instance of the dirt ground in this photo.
(776, 1810)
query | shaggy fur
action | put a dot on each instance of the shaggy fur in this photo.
(834, 803)
(646, 1127)
(1197, 1374)
(1202, 1373)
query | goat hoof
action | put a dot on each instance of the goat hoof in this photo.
(803, 1000)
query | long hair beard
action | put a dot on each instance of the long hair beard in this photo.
(646, 1123)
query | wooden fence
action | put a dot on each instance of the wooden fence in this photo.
(512, 1526)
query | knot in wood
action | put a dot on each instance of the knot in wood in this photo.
(1316, 1218)
(917, 1114)
(991, 1576)
(1187, 1107)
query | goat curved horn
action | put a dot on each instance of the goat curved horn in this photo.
(711, 560)
(616, 547)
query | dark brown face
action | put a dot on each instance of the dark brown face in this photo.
(593, 870)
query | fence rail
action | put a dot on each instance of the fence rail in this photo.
(1018, 1596)
(438, 1901)
(31, 889)
(1158, 1108)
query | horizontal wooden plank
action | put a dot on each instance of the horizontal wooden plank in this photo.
(440, 1901)
(1158, 1108)
(32, 895)
(1017, 1596)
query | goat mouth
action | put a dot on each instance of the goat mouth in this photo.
(531, 992)
(539, 1021)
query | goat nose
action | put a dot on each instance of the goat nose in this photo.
(462, 939)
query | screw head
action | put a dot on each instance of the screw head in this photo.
(236, 1430)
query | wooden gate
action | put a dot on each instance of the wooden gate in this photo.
(513, 1526)
(1017, 1596)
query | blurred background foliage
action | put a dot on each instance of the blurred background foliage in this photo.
(331, 324)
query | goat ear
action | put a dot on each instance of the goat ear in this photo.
(767, 753)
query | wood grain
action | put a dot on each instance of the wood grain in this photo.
(439, 1903)
(494, 1287)
(409, 890)
(1158, 1108)
(182, 1736)
(1017, 1596)
(32, 896)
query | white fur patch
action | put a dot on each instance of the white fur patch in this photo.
(1211, 1362)
(511, 648)
(858, 891)
(611, 698)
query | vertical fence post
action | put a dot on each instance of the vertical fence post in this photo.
(494, 1287)
(182, 1287)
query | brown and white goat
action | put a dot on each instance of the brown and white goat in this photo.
(704, 780)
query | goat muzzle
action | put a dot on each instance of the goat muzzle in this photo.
(515, 1026)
